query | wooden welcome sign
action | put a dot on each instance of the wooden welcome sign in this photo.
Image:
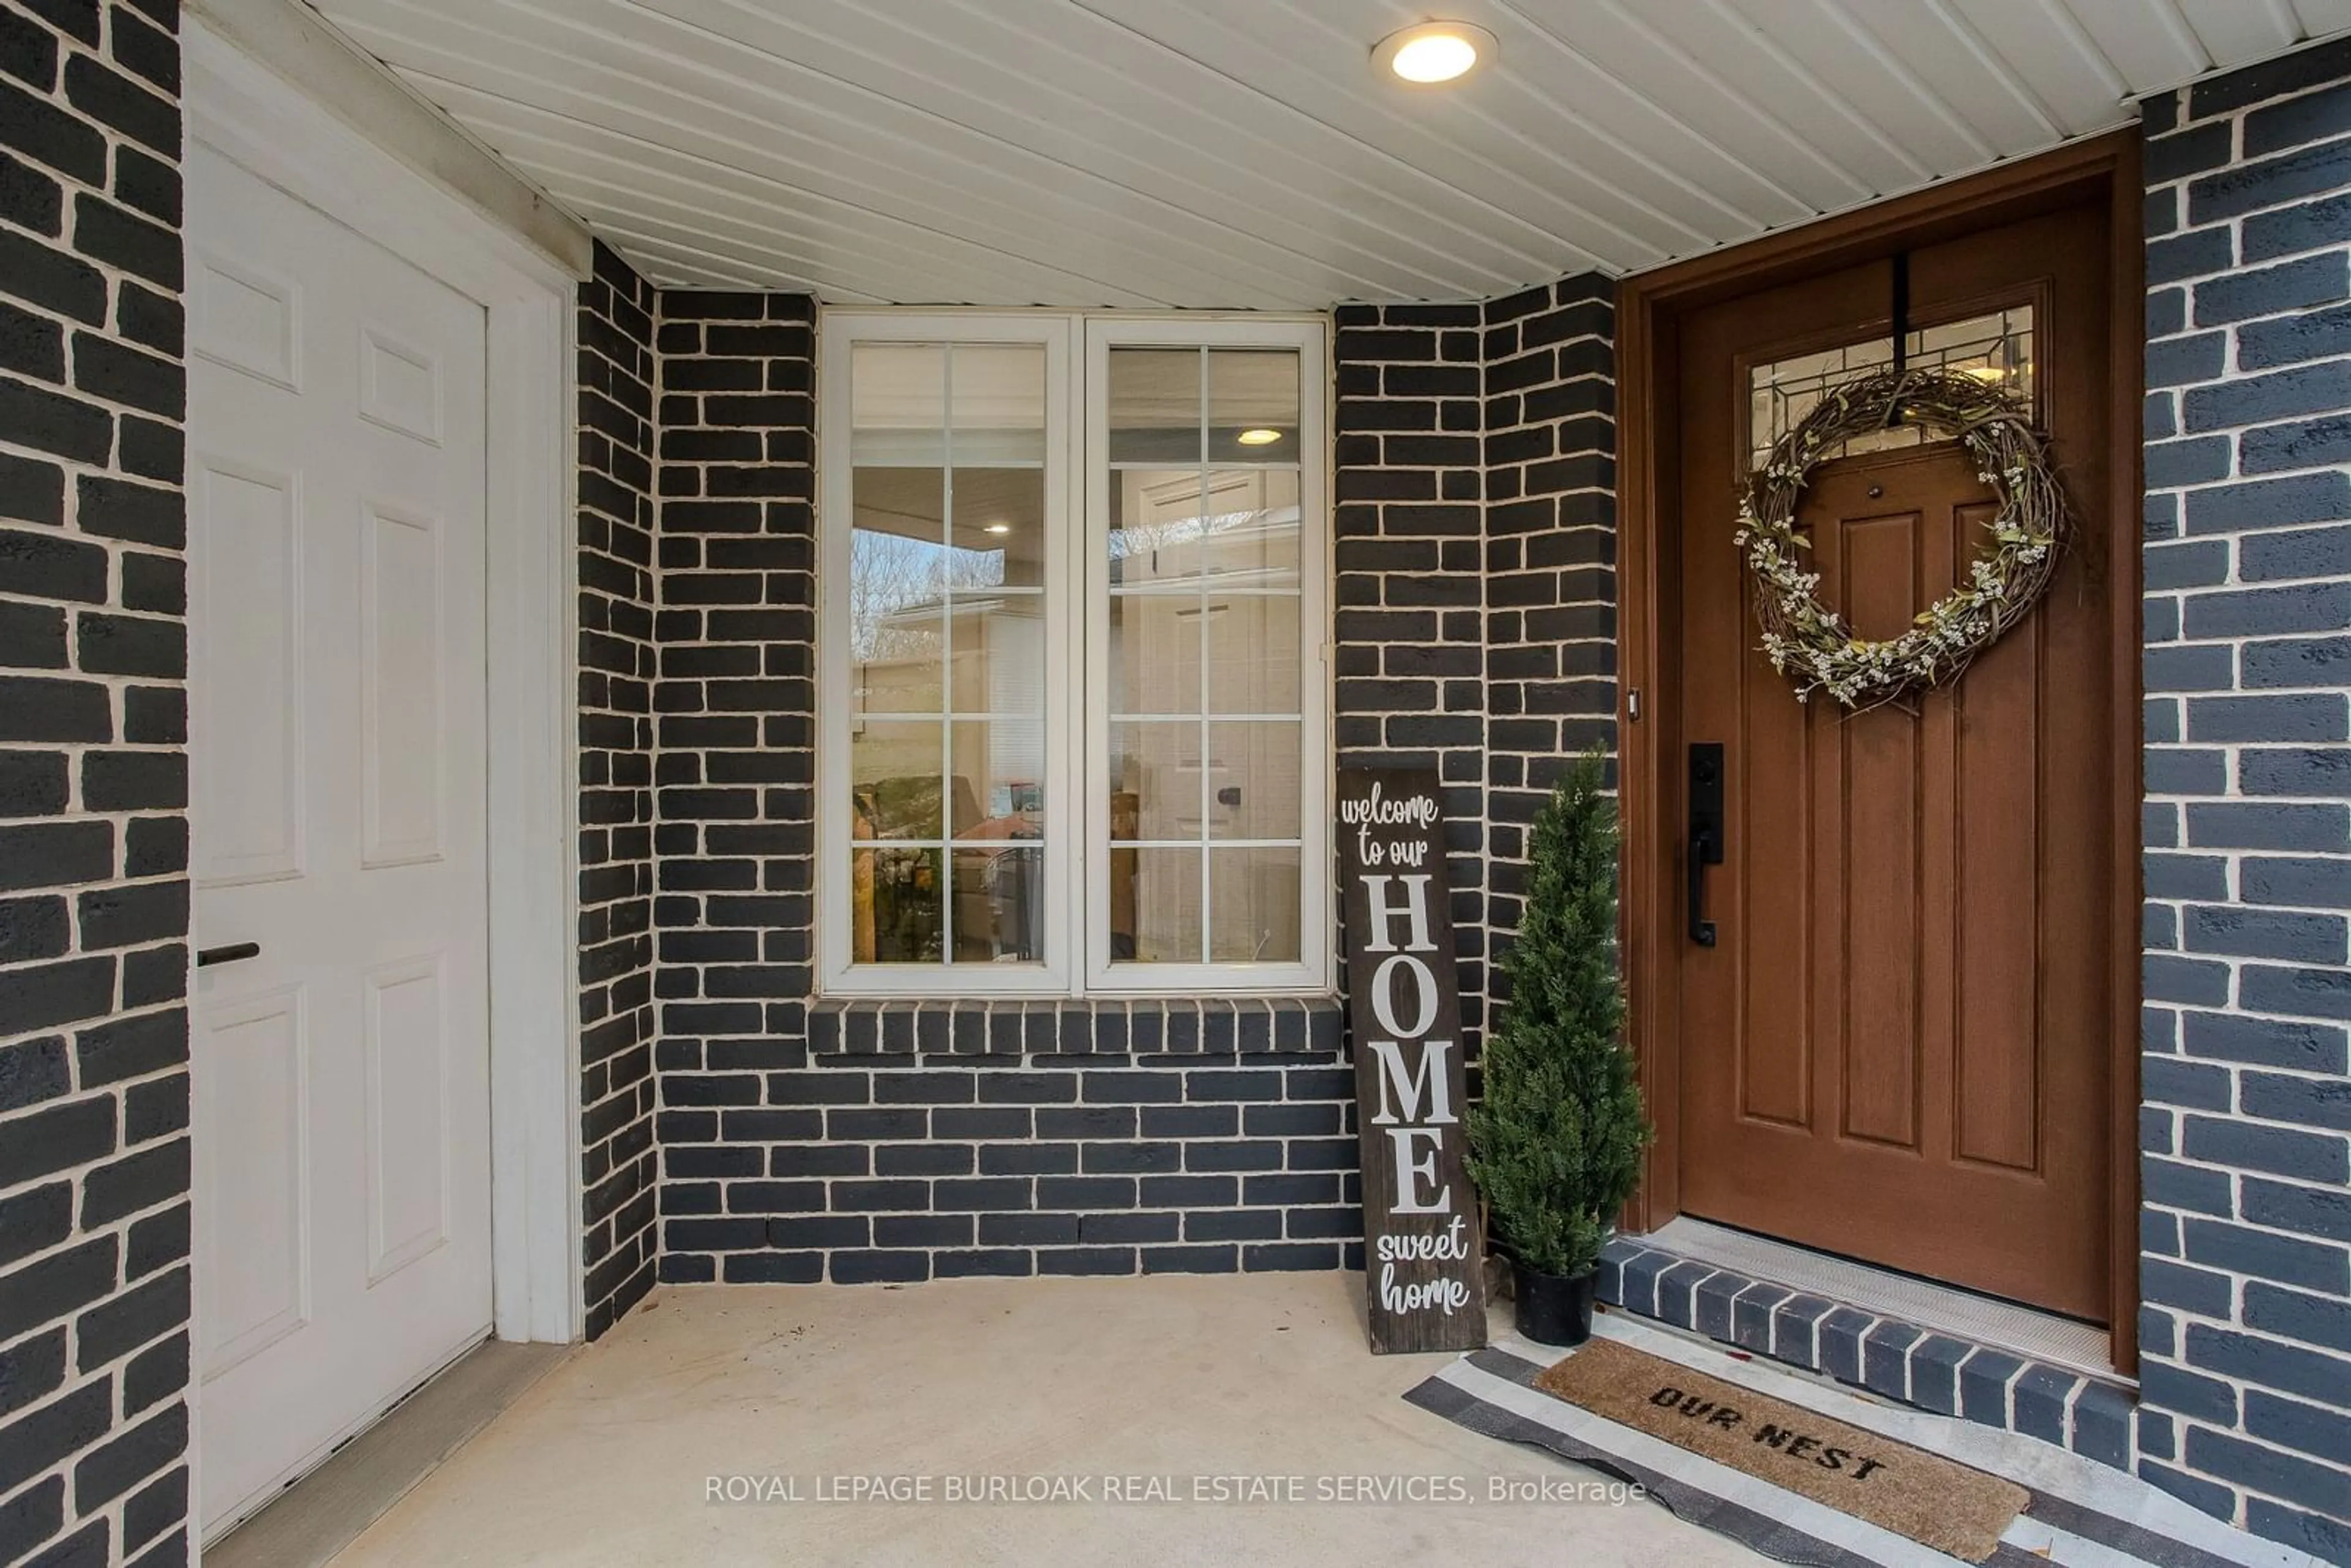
(1422, 1254)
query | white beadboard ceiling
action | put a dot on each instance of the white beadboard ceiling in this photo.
(1243, 153)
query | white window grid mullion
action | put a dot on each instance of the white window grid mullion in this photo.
(1092, 454)
(1189, 717)
(1199, 571)
(947, 657)
(1071, 817)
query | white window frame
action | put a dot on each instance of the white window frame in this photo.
(1076, 608)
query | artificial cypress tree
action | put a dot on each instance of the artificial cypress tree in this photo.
(1555, 1143)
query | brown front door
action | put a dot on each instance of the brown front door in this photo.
(1898, 1050)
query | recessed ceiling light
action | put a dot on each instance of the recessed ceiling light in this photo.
(1434, 51)
(999, 527)
(1258, 437)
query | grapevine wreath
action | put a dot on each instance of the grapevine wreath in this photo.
(1809, 642)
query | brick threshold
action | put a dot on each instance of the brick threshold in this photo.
(1928, 1369)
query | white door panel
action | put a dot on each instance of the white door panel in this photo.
(245, 319)
(404, 761)
(407, 1025)
(337, 499)
(255, 1055)
(248, 672)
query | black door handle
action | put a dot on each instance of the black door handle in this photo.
(229, 954)
(1703, 853)
(1706, 824)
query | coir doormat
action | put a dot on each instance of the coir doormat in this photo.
(1892, 1484)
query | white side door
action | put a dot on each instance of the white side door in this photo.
(336, 493)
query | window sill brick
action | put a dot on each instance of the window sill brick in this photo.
(1011, 1029)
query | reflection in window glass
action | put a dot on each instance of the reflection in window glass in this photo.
(946, 629)
(898, 896)
(1155, 904)
(1154, 407)
(998, 529)
(1168, 527)
(1255, 920)
(1205, 657)
(1252, 415)
(1252, 792)
(896, 783)
(1997, 347)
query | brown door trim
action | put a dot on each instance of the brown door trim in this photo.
(1648, 311)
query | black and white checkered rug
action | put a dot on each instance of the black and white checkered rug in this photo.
(2082, 1514)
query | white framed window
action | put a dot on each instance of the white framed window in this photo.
(1072, 680)
(1207, 750)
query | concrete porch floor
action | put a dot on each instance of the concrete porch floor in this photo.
(605, 1460)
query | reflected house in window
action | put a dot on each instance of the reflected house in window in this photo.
(991, 802)
(946, 627)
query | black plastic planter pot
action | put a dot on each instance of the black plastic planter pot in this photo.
(1552, 1309)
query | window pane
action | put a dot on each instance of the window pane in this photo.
(1253, 779)
(1154, 654)
(999, 904)
(894, 779)
(1253, 405)
(1253, 902)
(897, 404)
(904, 549)
(1167, 530)
(1250, 535)
(896, 906)
(1155, 780)
(1155, 527)
(1154, 906)
(998, 786)
(1252, 650)
(998, 403)
(898, 657)
(999, 526)
(897, 555)
(1000, 655)
(1154, 405)
(1996, 348)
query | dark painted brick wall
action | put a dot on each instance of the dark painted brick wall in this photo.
(1551, 563)
(1476, 550)
(1408, 623)
(886, 1168)
(616, 787)
(902, 1142)
(734, 703)
(2246, 1333)
(905, 1143)
(735, 700)
(94, 1268)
